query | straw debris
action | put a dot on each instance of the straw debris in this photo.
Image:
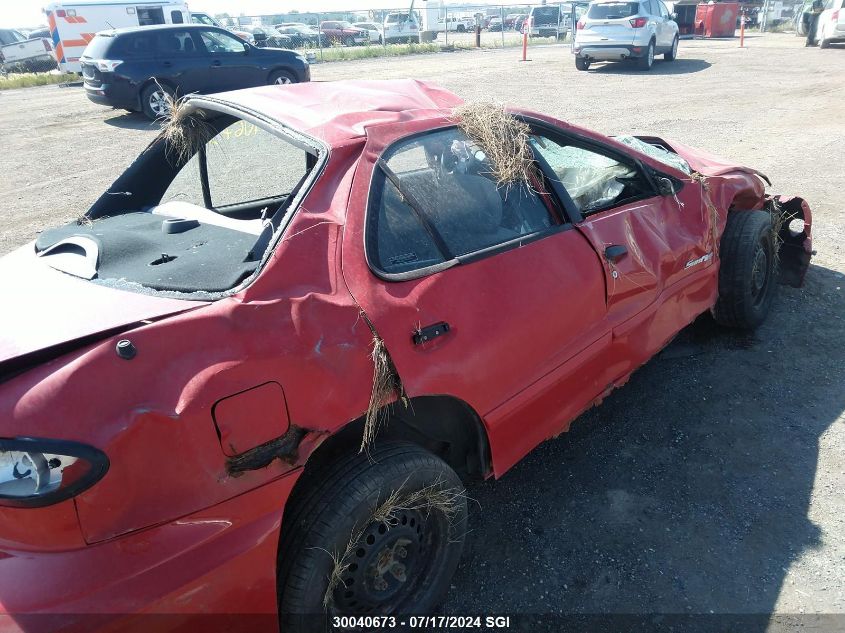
(503, 138)
(184, 130)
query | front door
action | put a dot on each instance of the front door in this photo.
(648, 242)
(229, 64)
(480, 292)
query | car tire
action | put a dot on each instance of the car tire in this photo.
(582, 63)
(349, 41)
(672, 55)
(647, 61)
(281, 78)
(154, 100)
(747, 271)
(823, 43)
(336, 503)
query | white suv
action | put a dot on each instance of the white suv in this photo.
(613, 30)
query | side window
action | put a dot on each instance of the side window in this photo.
(433, 199)
(246, 164)
(176, 17)
(133, 46)
(174, 43)
(218, 42)
(595, 182)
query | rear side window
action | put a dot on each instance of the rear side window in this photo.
(433, 199)
(174, 43)
(613, 10)
(99, 47)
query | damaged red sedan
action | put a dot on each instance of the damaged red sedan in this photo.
(251, 378)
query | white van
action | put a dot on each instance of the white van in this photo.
(74, 24)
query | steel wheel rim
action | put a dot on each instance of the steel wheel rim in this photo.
(158, 103)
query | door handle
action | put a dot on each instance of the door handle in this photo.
(167, 64)
(216, 62)
(425, 334)
(615, 253)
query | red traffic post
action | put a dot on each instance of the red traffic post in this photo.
(526, 27)
(742, 29)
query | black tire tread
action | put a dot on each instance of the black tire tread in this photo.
(736, 251)
(331, 488)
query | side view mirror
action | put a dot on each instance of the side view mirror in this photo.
(665, 186)
(674, 16)
(246, 48)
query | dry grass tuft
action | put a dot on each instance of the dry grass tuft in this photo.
(503, 138)
(184, 130)
(387, 386)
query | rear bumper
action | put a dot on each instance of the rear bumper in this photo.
(111, 95)
(218, 562)
(610, 52)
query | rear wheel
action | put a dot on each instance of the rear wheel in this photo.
(281, 78)
(748, 270)
(371, 534)
(156, 100)
(349, 41)
(645, 62)
(582, 63)
(672, 55)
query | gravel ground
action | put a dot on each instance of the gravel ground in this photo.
(712, 481)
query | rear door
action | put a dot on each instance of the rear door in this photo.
(665, 26)
(178, 60)
(229, 64)
(609, 23)
(479, 292)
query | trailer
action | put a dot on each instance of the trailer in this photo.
(74, 24)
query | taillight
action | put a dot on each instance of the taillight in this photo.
(835, 16)
(638, 23)
(580, 25)
(36, 473)
(107, 65)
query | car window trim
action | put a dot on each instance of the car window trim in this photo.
(467, 258)
(576, 140)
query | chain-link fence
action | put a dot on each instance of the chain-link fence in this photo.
(43, 64)
(354, 33)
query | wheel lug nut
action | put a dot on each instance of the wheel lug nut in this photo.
(401, 552)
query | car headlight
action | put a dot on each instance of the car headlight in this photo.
(36, 473)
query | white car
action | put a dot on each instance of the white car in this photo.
(457, 24)
(613, 30)
(376, 34)
(831, 24)
(401, 27)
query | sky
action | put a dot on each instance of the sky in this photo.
(27, 13)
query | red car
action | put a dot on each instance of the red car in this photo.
(344, 33)
(251, 377)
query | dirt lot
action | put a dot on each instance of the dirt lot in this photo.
(713, 481)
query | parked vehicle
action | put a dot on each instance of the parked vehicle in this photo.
(302, 36)
(831, 25)
(343, 33)
(74, 24)
(519, 23)
(401, 27)
(188, 371)
(551, 20)
(267, 38)
(456, 24)
(511, 19)
(494, 25)
(139, 68)
(373, 30)
(614, 30)
(25, 54)
(207, 20)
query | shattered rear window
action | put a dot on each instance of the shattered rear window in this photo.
(195, 214)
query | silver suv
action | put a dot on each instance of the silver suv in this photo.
(614, 30)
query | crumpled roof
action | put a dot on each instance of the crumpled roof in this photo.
(341, 110)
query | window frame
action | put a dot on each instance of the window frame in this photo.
(575, 140)
(376, 186)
